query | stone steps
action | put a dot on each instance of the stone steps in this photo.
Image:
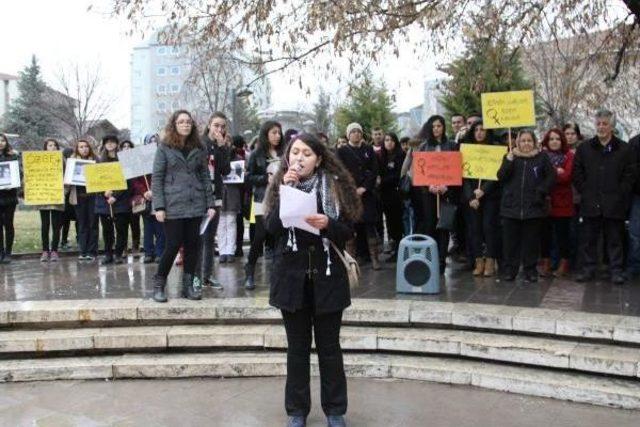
(574, 387)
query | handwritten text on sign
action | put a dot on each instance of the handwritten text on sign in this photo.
(43, 178)
(481, 161)
(104, 177)
(508, 109)
(436, 168)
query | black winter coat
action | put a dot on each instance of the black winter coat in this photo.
(123, 199)
(256, 175)
(362, 163)
(290, 269)
(526, 183)
(8, 197)
(634, 145)
(604, 176)
(219, 159)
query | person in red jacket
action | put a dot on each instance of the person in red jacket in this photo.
(561, 211)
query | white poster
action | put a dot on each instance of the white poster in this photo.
(295, 206)
(9, 175)
(236, 176)
(137, 161)
(74, 172)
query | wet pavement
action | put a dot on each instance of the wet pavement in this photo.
(29, 279)
(254, 402)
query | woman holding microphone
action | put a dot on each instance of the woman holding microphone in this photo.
(182, 196)
(309, 282)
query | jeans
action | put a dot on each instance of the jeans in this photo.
(227, 229)
(207, 242)
(87, 223)
(121, 223)
(180, 232)
(633, 260)
(153, 236)
(408, 220)
(483, 227)
(257, 242)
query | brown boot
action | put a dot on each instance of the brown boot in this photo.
(373, 253)
(489, 267)
(479, 267)
(563, 268)
(545, 267)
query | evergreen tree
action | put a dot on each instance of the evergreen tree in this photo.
(322, 112)
(27, 115)
(368, 104)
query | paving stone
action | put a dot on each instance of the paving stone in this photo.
(606, 359)
(48, 340)
(110, 310)
(38, 312)
(537, 320)
(351, 338)
(420, 340)
(246, 308)
(431, 369)
(131, 338)
(178, 309)
(484, 316)
(628, 330)
(5, 307)
(362, 365)
(431, 312)
(377, 311)
(69, 368)
(587, 325)
(517, 349)
(217, 336)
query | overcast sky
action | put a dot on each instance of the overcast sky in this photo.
(60, 33)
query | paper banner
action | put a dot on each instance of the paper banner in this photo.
(9, 175)
(43, 178)
(502, 110)
(480, 161)
(102, 177)
(137, 161)
(436, 168)
(74, 171)
(237, 173)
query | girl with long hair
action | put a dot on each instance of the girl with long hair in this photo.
(391, 160)
(8, 203)
(135, 217)
(51, 217)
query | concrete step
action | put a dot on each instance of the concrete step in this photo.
(583, 388)
(526, 350)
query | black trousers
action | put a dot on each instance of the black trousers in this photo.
(392, 205)
(204, 266)
(7, 231)
(258, 240)
(239, 232)
(333, 382)
(121, 222)
(556, 233)
(483, 229)
(613, 230)
(50, 218)
(521, 242)
(69, 215)
(87, 223)
(180, 232)
(135, 232)
(427, 222)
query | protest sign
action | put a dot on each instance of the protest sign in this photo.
(236, 176)
(43, 178)
(9, 175)
(480, 161)
(74, 171)
(502, 110)
(102, 177)
(436, 168)
(137, 161)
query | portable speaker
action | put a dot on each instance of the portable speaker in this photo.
(417, 269)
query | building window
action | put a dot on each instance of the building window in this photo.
(162, 106)
(161, 71)
(175, 70)
(161, 89)
(175, 50)
(175, 88)
(175, 105)
(161, 50)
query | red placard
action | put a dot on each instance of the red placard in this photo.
(437, 168)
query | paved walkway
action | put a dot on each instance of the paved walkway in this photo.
(28, 279)
(258, 402)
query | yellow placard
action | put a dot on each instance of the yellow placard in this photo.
(104, 177)
(43, 178)
(480, 161)
(502, 110)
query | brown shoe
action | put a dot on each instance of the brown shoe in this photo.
(563, 268)
(479, 267)
(489, 267)
(545, 267)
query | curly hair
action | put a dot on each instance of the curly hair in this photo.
(173, 140)
(342, 185)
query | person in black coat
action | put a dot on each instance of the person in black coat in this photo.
(8, 203)
(391, 160)
(218, 162)
(604, 175)
(309, 282)
(526, 176)
(360, 160)
(633, 261)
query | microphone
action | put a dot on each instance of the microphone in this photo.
(298, 168)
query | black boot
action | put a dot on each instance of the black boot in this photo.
(159, 284)
(191, 287)
(249, 282)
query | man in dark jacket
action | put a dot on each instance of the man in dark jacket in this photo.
(633, 260)
(219, 166)
(604, 175)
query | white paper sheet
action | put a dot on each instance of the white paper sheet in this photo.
(295, 205)
(204, 223)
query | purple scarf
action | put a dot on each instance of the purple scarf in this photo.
(557, 158)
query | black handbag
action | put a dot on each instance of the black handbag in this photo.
(447, 220)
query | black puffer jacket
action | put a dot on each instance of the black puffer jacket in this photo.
(526, 182)
(604, 176)
(8, 197)
(634, 145)
(256, 175)
(219, 159)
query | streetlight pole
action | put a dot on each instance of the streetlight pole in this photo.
(237, 93)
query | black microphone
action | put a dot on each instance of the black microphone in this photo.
(299, 167)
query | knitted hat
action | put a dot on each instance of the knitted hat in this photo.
(353, 126)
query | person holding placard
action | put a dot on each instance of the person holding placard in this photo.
(8, 203)
(526, 176)
(391, 160)
(309, 282)
(481, 204)
(114, 210)
(84, 206)
(51, 217)
(182, 197)
(135, 213)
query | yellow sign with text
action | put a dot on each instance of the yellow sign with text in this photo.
(43, 178)
(502, 110)
(481, 161)
(102, 177)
